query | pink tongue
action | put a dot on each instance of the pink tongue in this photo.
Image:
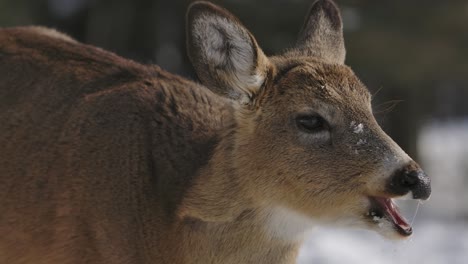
(394, 213)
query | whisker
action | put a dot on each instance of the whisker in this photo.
(416, 212)
(386, 107)
(377, 92)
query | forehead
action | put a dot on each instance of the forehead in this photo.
(330, 83)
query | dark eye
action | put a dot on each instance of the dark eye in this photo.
(311, 123)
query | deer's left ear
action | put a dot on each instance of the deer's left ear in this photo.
(322, 33)
(224, 53)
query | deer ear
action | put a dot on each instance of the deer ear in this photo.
(224, 53)
(322, 33)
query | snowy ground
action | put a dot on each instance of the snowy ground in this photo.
(433, 242)
(441, 226)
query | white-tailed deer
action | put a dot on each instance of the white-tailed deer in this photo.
(104, 160)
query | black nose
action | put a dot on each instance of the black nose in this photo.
(411, 178)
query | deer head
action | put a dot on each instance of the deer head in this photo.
(306, 141)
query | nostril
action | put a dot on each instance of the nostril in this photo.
(410, 178)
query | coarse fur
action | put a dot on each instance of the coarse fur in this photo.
(104, 160)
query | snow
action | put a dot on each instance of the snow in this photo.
(440, 228)
(433, 242)
(361, 142)
(359, 128)
(443, 151)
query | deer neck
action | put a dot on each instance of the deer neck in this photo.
(219, 213)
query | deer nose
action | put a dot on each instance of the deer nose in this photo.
(411, 178)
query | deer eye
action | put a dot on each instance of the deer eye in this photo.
(311, 123)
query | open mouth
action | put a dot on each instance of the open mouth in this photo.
(384, 208)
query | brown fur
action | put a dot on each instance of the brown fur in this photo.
(104, 160)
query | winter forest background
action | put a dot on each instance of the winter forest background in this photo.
(413, 56)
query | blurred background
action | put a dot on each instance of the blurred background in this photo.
(413, 56)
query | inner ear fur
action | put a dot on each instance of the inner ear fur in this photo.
(225, 55)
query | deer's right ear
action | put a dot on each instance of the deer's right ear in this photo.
(224, 53)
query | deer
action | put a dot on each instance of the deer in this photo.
(106, 160)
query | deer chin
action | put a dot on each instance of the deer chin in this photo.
(385, 216)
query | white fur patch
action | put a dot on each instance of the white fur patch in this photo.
(287, 224)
